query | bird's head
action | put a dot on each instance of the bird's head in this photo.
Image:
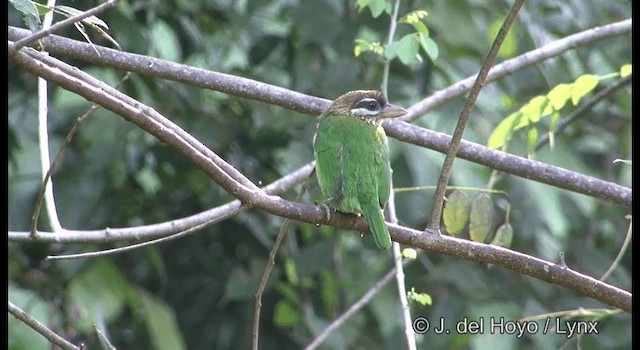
(368, 105)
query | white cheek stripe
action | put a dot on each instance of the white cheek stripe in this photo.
(363, 112)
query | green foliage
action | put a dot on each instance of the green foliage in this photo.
(423, 299)
(407, 48)
(455, 213)
(30, 13)
(550, 105)
(480, 217)
(503, 236)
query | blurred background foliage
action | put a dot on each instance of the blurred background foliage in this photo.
(197, 292)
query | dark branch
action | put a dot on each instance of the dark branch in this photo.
(402, 131)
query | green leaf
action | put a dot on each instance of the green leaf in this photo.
(413, 17)
(285, 315)
(290, 271)
(161, 323)
(98, 294)
(509, 45)
(21, 336)
(582, 86)
(165, 42)
(480, 217)
(532, 139)
(559, 95)
(361, 4)
(409, 253)
(503, 236)
(421, 298)
(30, 14)
(360, 47)
(625, 71)
(391, 50)
(429, 46)
(377, 7)
(502, 133)
(456, 210)
(148, 180)
(533, 111)
(408, 49)
(329, 290)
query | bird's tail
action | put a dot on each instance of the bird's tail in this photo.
(377, 227)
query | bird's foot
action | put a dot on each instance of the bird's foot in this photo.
(327, 210)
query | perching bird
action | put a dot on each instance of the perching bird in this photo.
(352, 157)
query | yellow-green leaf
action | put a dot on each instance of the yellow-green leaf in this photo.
(455, 214)
(625, 71)
(480, 217)
(409, 253)
(502, 133)
(503, 236)
(421, 298)
(532, 139)
(285, 315)
(582, 86)
(509, 45)
(533, 110)
(559, 95)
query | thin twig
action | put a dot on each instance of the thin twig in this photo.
(391, 208)
(364, 300)
(40, 328)
(162, 229)
(623, 249)
(465, 115)
(392, 32)
(119, 250)
(45, 182)
(43, 138)
(402, 131)
(267, 271)
(69, 21)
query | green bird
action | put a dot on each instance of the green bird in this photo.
(352, 157)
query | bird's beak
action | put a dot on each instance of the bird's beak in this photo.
(392, 111)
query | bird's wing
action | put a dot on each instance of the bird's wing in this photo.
(383, 171)
(329, 164)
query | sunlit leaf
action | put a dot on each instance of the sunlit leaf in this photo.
(409, 253)
(532, 139)
(502, 133)
(533, 110)
(421, 298)
(582, 86)
(559, 95)
(509, 45)
(625, 71)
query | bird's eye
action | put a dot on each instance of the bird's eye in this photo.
(369, 104)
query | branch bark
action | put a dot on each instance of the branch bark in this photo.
(247, 88)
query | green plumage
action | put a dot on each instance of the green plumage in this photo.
(352, 158)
